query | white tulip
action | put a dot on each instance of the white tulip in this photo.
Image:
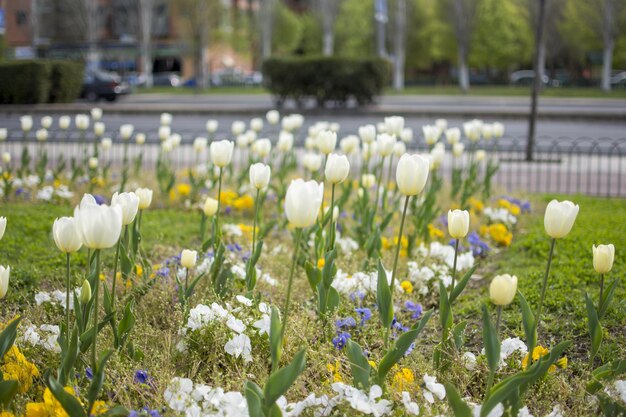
(337, 168)
(442, 124)
(100, 226)
(407, 135)
(256, 124)
(273, 117)
(436, 156)
(96, 113)
(66, 234)
(164, 133)
(82, 122)
(368, 180)
(412, 173)
(559, 218)
(603, 256)
(126, 131)
(140, 138)
(453, 135)
(312, 161)
(3, 226)
(394, 125)
(106, 143)
(129, 202)
(41, 135)
(212, 125)
(262, 147)
(65, 122)
(385, 143)
(210, 206)
(285, 141)
(310, 144)
(5, 273)
(399, 149)
(367, 133)
(472, 129)
(4, 133)
(6, 157)
(457, 149)
(480, 155)
(487, 131)
(145, 197)
(188, 258)
(503, 289)
(99, 128)
(26, 123)
(93, 162)
(498, 130)
(242, 141)
(431, 134)
(167, 146)
(260, 175)
(166, 119)
(334, 126)
(349, 144)
(326, 141)
(200, 144)
(222, 152)
(46, 122)
(238, 127)
(458, 223)
(175, 139)
(303, 201)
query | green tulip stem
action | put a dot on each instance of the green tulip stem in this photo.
(489, 384)
(96, 294)
(389, 174)
(601, 291)
(117, 256)
(395, 261)
(456, 253)
(379, 183)
(256, 216)
(67, 301)
(219, 205)
(290, 284)
(498, 319)
(331, 221)
(543, 294)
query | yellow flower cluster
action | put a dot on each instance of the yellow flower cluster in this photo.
(407, 286)
(334, 370)
(179, 191)
(50, 407)
(540, 351)
(476, 205)
(234, 200)
(434, 232)
(17, 368)
(404, 380)
(498, 232)
(513, 208)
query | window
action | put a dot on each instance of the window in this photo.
(21, 17)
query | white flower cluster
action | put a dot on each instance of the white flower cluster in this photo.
(202, 400)
(498, 411)
(437, 252)
(45, 336)
(236, 319)
(500, 215)
(508, 347)
(618, 390)
(55, 297)
(359, 282)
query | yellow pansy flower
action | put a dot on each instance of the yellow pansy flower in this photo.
(407, 286)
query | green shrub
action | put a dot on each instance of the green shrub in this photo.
(66, 79)
(326, 79)
(39, 81)
(24, 82)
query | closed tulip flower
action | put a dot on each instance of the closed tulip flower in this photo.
(256, 124)
(399, 149)
(385, 143)
(453, 135)
(3, 226)
(210, 206)
(129, 202)
(394, 125)
(431, 134)
(106, 143)
(272, 117)
(93, 162)
(3, 133)
(349, 144)
(85, 292)
(96, 113)
(442, 124)
(457, 150)
(238, 127)
(260, 175)
(498, 130)
(66, 234)
(326, 141)
(407, 135)
(164, 133)
(140, 138)
(487, 131)
(5, 272)
(26, 123)
(559, 218)
(82, 122)
(145, 197)
(312, 162)
(603, 256)
(200, 144)
(175, 140)
(337, 168)
(303, 201)
(6, 157)
(285, 141)
(412, 173)
(367, 133)
(458, 223)
(242, 141)
(188, 258)
(100, 226)
(99, 128)
(166, 119)
(262, 147)
(368, 180)
(212, 125)
(480, 155)
(46, 122)
(126, 131)
(41, 135)
(502, 289)
(65, 122)
(222, 152)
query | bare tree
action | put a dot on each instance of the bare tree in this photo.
(145, 14)
(381, 17)
(400, 40)
(463, 22)
(328, 10)
(266, 17)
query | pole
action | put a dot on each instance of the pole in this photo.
(537, 80)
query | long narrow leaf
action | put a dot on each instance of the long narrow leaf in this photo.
(361, 369)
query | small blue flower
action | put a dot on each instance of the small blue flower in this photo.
(163, 272)
(141, 376)
(89, 373)
(396, 325)
(347, 322)
(414, 308)
(410, 349)
(357, 296)
(365, 314)
(100, 199)
(341, 340)
(228, 210)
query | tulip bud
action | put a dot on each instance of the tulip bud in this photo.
(238, 127)
(6, 157)
(312, 161)
(46, 122)
(164, 133)
(129, 202)
(4, 133)
(93, 162)
(335, 212)
(5, 272)
(503, 289)
(85, 292)
(66, 234)
(256, 124)
(99, 128)
(603, 256)
(326, 141)
(368, 180)
(96, 113)
(453, 135)
(259, 175)
(303, 201)
(480, 155)
(188, 258)
(140, 138)
(126, 131)
(457, 149)
(367, 133)
(222, 152)
(3, 226)
(559, 218)
(41, 135)
(412, 173)
(458, 223)
(64, 122)
(337, 168)
(210, 206)
(385, 143)
(26, 123)
(211, 126)
(272, 116)
(166, 119)
(145, 197)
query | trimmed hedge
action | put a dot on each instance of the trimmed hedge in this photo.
(326, 79)
(40, 81)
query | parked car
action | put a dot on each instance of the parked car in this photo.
(102, 84)
(527, 77)
(619, 79)
(166, 79)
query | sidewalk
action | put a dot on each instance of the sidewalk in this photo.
(428, 106)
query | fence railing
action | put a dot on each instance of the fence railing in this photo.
(592, 166)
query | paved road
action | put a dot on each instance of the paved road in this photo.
(193, 125)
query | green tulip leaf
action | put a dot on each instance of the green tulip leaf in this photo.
(460, 286)
(8, 389)
(313, 274)
(361, 369)
(280, 381)
(276, 342)
(607, 372)
(528, 322)
(595, 329)
(69, 403)
(458, 331)
(69, 358)
(8, 335)
(605, 303)
(383, 297)
(254, 398)
(98, 378)
(459, 407)
(491, 342)
(445, 311)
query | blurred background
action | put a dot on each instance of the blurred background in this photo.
(172, 45)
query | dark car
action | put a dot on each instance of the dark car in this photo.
(166, 79)
(103, 84)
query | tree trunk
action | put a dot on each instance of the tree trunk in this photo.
(537, 81)
(327, 28)
(380, 16)
(464, 82)
(399, 56)
(542, 62)
(146, 63)
(267, 17)
(145, 14)
(607, 61)
(93, 53)
(608, 38)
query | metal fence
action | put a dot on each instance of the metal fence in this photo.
(566, 165)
